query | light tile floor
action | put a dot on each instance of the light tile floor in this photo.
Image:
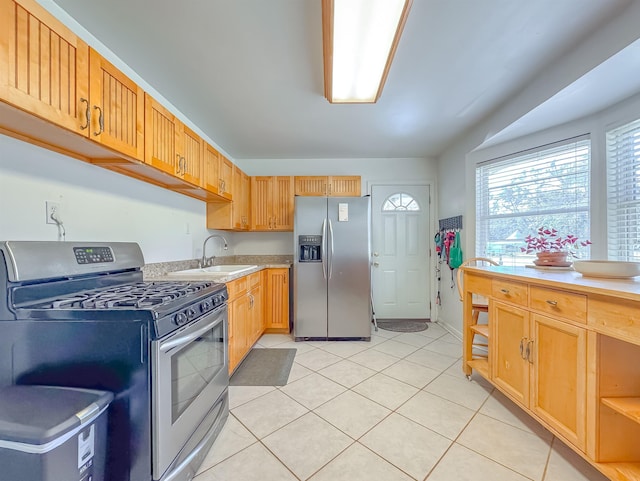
(398, 408)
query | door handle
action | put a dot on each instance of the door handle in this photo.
(331, 260)
(100, 120)
(322, 248)
(87, 114)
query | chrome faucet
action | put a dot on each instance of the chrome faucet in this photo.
(207, 261)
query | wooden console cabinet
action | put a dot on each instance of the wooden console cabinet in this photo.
(566, 348)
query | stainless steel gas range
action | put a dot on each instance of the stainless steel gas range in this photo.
(79, 314)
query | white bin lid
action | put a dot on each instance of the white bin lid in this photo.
(40, 414)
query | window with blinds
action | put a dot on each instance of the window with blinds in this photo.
(516, 195)
(623, 192)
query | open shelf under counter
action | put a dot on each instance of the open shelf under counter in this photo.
(627, 406)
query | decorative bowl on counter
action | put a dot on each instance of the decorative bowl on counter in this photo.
(607, 269)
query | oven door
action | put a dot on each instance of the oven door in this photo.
(189, 373)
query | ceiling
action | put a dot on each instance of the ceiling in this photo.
(249, 73)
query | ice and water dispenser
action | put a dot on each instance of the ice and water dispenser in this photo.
(310, 248)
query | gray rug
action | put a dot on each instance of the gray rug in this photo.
(403, 325)
(264, 367)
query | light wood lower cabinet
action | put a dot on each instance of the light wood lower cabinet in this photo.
(257, 302)
(567, 351)
(541, 363)
(245, 316)
(277, 306)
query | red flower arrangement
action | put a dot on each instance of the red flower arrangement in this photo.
(548, 240)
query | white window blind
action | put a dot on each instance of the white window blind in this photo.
(623, 192)
(516, 195)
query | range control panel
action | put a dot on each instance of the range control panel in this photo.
(93, 255)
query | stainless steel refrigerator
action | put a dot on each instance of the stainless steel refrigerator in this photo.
(331, 269)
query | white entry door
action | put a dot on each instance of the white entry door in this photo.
(400, 248)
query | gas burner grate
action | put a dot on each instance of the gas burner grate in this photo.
(139, 296)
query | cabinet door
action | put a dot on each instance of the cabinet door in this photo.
(311, 185)
(509, 341)
(277, 312)
(191, 161)
(161, 134)
(45, 66)
(559, 376)
(238, 332)
(261, 187)
(211, 169)
(283, 203)
(117, 108)
(225, 186)
(245, 203)
(257, 314)
(239, 207)
(344, 186)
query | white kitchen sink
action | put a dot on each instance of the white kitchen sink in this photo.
(213, 271)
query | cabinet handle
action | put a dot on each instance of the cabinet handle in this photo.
(522, 341)
(529, 350)
(552, 303)
(504, 291)
(100, 120)
(87, 114)
(179, 165)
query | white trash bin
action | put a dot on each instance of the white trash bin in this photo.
(50, 433)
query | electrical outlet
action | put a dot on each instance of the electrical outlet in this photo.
(53, 208)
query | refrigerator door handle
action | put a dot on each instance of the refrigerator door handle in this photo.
(331, 259)
(322, 249)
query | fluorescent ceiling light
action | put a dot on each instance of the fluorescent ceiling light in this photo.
(359, 40)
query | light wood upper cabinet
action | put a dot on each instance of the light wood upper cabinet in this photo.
(345, 186)
(171, 146)
(54, 75)
(116, 106)
(240, 207)
(332, 186)
(225, 189)
(160, 136)
(191, 146)
(211, 169)
(232, 215)
(45, 66)
(272, 203)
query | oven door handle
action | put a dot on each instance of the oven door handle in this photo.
(187, 338)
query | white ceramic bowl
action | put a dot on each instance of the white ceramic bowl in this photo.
(607, 269)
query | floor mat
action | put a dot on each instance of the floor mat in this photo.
(403, 325)
(264, 367)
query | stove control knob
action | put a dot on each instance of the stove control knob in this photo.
(206, 305)
(180, 318)
(191, 313)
